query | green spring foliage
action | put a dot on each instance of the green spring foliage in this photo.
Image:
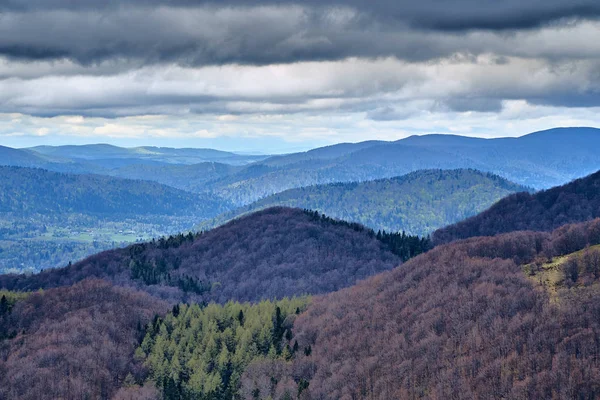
(201, 352)
(8, 300)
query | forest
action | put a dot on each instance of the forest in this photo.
(222, 314)
(417, 203)
(271, 254)
(202, 353)
(74, 342)
(546, 210)
(462, 321)
(465, 320)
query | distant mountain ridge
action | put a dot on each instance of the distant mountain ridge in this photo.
(539, 160)
(103, 154)
(417, 203)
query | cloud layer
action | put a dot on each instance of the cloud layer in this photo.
(281, 68)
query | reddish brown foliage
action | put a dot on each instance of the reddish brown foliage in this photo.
(270, 254)
(459, 322)
(75, 342)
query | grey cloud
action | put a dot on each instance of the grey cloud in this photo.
(389, 113)
(198, 33)
(463, 104)
(429, 14)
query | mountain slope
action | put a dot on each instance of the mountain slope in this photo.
(417, 203)
(274, 253)
(321, 153)
(462, 321)
(191, 178)
(25, 191)
(543, 211)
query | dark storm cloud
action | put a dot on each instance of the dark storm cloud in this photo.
(429, 14)
(202, 32)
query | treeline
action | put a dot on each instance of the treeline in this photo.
(7, 303)
(574, 202)
(202, 352)
(400, 243)
(462, 321)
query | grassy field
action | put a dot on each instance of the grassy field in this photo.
(549, 275)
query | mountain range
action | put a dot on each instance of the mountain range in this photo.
(503, 316)
(539, 160)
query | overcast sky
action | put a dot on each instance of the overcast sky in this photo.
(277, 76)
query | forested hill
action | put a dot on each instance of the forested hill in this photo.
(26, 191)
(417, 203)
(463, 321)
(543, 211)
(273, 253)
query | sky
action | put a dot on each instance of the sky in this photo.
(280, 76)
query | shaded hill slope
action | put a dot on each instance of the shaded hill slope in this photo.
(273, 253)
(543, 211)
(417, 203)
(191, 178)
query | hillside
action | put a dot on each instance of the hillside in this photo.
(539, 160)
(25, 191)
(417, 203)
(49, 219)
(191, 178)
(270, 254)
(576, 201)
(74, 343)
(462, 321)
